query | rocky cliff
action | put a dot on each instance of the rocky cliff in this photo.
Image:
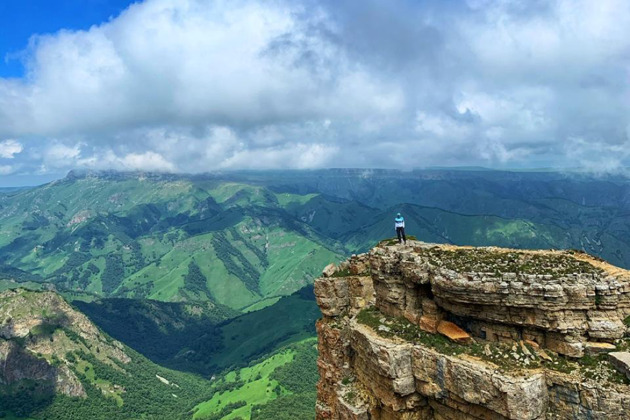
(440, 332)
(41, 338)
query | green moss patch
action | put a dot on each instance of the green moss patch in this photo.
(394, 241)
(486, 261)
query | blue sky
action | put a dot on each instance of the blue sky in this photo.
(204, 85)
(20, 19)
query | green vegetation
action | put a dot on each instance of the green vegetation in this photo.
(204, 337)
(118, 382)
(279, 387)
(137, 392)
(256, 334)
(7, 415)
(252, 385)
(235, 263)
(113, 274)
(160, 330)
(158, 238)
(485, 261)
(342, 273)
(194, 280)
(506, 356)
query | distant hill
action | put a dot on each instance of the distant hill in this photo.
(165, 238)
(12, 190)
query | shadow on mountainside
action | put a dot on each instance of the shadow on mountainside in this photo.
(173, 336)
(29, 380)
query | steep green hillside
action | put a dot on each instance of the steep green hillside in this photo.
(58, 365)
(161, 237)
(199, 337)
(158, 330)
(279, 387)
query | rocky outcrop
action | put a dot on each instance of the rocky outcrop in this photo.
(440, 332)
(38, 332)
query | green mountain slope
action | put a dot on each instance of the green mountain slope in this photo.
(58, 365)
(279, 387)
(199, 337)
(161, 237)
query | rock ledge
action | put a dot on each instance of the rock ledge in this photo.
(531, 335)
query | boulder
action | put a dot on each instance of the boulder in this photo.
(453, 332)
(621, 361)
(594, 348)
(329, 270)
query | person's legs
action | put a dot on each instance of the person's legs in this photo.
(403, 235)
(399, 234)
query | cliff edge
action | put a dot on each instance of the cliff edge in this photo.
(429, 331)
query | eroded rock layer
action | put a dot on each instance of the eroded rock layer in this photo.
(440, 332)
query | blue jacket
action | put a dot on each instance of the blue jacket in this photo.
(399, 222)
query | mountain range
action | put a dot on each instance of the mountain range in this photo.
(209, 275)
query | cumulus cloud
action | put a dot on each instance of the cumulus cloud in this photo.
(6, 169)
(191, 85)
(147, 161)
(10, 148)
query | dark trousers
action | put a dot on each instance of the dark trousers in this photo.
(400, 232)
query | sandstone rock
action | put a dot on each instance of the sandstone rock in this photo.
(476, 383)
(621, 361)
(542, 354)
(453, 332)
(564, 303)
(337, 295)
(533, 344)
(561, 344)
(329, 270)
(524, 349)
(332, 295)
(556, 301)
(350, 411)
(594, 348)
(429, 324)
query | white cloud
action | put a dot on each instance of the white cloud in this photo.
(6, 169)
(290, 156)
(10, 148)
(190, 85)
(56, 155)
(172, 61)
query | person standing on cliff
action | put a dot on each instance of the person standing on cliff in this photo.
(399, 225)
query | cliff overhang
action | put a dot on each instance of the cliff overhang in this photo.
(438, 332)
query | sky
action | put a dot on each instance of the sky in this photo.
(209, 85)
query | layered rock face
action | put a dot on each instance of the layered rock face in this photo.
(440, 332)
